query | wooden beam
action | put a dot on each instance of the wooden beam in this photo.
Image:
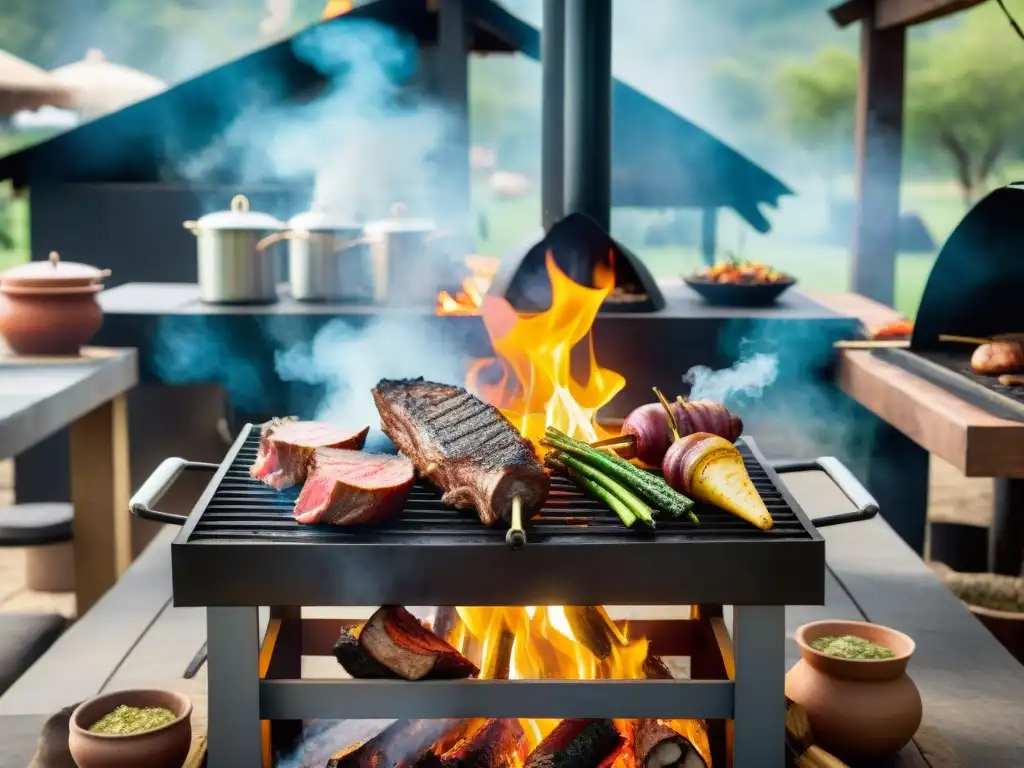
(878, 141)
(906, 13)
(897, 13)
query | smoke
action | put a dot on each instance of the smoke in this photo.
(369, 139)
(748, 377)
(348, 362)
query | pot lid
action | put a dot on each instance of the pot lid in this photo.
(238, 217)
(322, 219)
(52, 273)
(399, 223)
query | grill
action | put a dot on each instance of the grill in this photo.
(240, 549)
(952, 371)
(241, 546)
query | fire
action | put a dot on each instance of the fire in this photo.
(534, 354)
(538, 642)
(336, 8)
(467, 301)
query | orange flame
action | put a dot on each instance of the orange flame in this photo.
(536, 388)
(467, 301)
(544, 647)
(336, 8)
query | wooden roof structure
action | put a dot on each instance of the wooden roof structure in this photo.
(878, 136)
(145, 141)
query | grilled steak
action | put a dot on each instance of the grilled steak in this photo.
(346, 487)
(287, 447)
(462, 445)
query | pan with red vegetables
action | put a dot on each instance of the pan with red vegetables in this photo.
(736, 283)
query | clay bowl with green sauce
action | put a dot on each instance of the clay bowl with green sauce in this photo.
(121, 742)
(857, 708)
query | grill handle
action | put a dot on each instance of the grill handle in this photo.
(851, 487)
(159, 483)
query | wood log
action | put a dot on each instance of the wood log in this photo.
(661, 743)
(499, 743)
(576, 744)
(397, 640)
(594, 629)
(498, 665)
(446, 621)
(355, 660)
(800, 741)
(403, 742)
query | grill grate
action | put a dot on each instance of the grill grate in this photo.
(243, 509)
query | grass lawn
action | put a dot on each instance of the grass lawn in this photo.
(817, 267)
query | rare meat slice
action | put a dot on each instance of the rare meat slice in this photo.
(287, 446)
(397, 640)
(464, 446)
(346, 487)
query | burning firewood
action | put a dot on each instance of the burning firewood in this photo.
(576, 744)
(356, 661)
(499, 663)
(403, 742)
(398, 641)
(446, 620)
(660, 743)
(594, 629)
(497, 744)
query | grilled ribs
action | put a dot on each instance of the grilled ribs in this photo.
(464, 446)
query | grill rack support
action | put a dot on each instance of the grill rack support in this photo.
(741, 679)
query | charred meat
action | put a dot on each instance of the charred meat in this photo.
(998, 357)
(287, 447)
(345, 487)
(464, 446)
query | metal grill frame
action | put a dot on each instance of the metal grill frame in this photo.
(570, 569)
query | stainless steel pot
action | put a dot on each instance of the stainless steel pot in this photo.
(236, 262)
(404, 264)
(327, 258)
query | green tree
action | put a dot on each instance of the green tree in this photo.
(817, 104)
(965, 98)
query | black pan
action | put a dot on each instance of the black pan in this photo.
(739, 294)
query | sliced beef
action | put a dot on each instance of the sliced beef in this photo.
(287, 447)
(345, 487)
(396, 639)
(464, 446)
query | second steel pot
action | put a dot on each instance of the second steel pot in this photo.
(402, 253)
(236, 261)
(327, 258)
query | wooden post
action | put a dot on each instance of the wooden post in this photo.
(878, 143)
(100, 487)
(452, 83)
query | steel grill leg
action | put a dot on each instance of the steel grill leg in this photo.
(233, 680)
(759, 724)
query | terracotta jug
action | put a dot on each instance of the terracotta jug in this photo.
(857, 708)
(50, 307)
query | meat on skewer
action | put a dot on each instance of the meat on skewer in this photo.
(464, 446)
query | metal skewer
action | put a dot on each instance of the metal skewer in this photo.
(516, 536)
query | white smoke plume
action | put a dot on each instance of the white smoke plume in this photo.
(749, 378)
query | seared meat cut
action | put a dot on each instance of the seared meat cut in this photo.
(464, 446)
(345, 487)
(397, 640)
(287, 446)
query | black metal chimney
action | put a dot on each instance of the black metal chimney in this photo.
(588, 109)
(552, 161)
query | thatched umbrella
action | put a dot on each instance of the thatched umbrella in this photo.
(99, 86)
(26, 86)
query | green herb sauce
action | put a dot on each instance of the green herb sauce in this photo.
(127, 720)
(851, 647)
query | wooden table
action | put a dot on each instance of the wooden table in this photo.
(923, 419)
(970, 685)
(38, 397)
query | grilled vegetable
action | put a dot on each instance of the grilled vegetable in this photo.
(710, 469)
(645, 435)
(640, 510)
(650, 487)
(737, 272)
(706, 416)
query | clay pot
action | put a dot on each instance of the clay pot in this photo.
(1006, 626)
(165, 747)
(50, 308)
(857, 709)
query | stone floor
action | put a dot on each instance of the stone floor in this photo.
(953, 498)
